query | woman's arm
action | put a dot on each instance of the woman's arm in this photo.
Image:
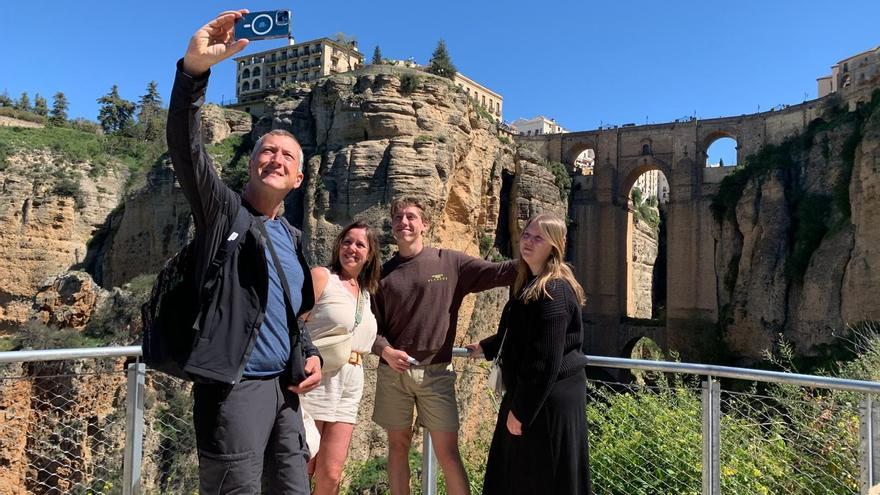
(320, 275)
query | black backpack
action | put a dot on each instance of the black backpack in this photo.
(170, 314)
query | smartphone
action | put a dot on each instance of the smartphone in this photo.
(412, 360)
(263, 25)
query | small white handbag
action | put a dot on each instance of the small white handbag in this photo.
(495, 381)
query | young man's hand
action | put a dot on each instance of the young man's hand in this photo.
(213, 42)
(397, 360)
(313, 376)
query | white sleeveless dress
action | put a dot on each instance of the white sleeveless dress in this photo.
(338, 396)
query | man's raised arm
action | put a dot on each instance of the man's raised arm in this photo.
(210, 44)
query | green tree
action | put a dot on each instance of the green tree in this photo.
(58, 115)
(440, 63)
(24, 103)
(116, 112)
(5, 100)
(40, 105)
(377, 56)
(149, 113)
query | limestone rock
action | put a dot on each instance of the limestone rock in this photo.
(218, 123)
(68, 300)
(43, 233)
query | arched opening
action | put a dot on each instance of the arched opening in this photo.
(246, 73)
(256, 71)
(646, 243)
(642, 348)
(585, 162)
(722, 152)
(245, 87)
(256, 84)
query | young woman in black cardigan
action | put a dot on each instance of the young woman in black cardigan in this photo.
(540, 440)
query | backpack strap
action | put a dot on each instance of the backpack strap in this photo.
(240, 226)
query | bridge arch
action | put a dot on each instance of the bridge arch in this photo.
(713, 137)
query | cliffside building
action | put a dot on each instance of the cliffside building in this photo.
(537, 126)
(259, 73)
(485, 97)
(853, 73)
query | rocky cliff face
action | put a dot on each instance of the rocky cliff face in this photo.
(792, 260)
(49, 210)
(644, 254)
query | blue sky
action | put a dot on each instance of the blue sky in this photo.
(584, 63)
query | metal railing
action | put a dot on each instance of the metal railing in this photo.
(662, 434)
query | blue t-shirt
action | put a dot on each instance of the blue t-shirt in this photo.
(272, 348)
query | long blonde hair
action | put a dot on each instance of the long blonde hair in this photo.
(554, 230)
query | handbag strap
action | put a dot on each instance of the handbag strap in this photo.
(288, 306)
(359, 312)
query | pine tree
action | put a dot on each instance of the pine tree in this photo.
(58, 115)
(115, 113)
(377, 56)
(5, 100)
(24, 102)
(440, 63)
(40, 105)
(149, 113)
(721, 162)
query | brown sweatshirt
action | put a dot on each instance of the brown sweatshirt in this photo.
(418, 299)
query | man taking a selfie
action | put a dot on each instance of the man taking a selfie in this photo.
(250, 352)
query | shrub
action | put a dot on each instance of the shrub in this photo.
(232, 154)
(561, 177)
(409, 83)
(423, 138)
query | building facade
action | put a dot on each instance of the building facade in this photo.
(852, 73)
(537, 126)
(488, 99)
(260, 73)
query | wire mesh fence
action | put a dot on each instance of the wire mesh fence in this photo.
(63, 429)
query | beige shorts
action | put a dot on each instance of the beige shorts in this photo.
(430, 389)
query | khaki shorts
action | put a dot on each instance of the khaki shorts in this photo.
(430, 389)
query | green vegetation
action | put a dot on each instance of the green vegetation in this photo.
(561, 177)
(232, 154)
(22, 115)
(377, 56)
(813, 215)
(409, 83)
(58, 114)
(423, 138)
(441, 63)
(36, 335)
(645, 210)
(482, 112)
(116, 113)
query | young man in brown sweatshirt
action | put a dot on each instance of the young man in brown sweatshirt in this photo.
(416, 307)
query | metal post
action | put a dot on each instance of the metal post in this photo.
(711, 429)
(869, 441)
(134, 429)
(429, 465)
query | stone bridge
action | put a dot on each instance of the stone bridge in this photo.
(600, 238)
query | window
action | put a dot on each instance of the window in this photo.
(646, 149)
(256, 84)
(256, 72)
(283, 80)
(246, 73)
(245, 87)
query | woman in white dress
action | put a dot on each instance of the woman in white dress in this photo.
(342, 297)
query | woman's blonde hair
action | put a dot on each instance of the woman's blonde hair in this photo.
(554, 231)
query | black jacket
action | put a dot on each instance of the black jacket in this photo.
(234, 304)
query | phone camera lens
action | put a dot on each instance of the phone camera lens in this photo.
(282, 17)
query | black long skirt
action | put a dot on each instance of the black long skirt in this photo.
(552, 455)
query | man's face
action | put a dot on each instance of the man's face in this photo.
(276, 165)
(407, 225)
